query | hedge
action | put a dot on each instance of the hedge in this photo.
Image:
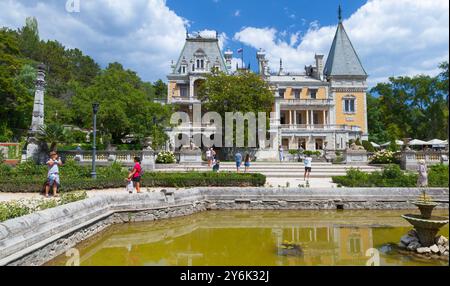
(176, 180)
(392, 176)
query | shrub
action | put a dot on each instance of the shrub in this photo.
(383, 157)
(311, 153)
(368, 146)
(30, 169)
(165, 158)
(115, 170)
(392, 176)
(73, 197)
(178, 180)
(438, 176)
(10, 210)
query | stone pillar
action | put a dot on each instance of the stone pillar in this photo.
(148, 159)
(408, 160)
(295, 117)
(307, 118)
(34, 149)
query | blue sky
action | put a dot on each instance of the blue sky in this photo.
(230, 16)
(392, 38)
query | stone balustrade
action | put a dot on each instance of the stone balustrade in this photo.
(106, 158)
(409, 158)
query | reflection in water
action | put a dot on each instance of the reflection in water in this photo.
(253, 238)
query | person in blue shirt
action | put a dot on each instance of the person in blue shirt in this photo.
(238, 159)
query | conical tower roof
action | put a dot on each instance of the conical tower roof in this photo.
(343, 59)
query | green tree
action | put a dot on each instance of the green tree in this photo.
(410, 107)
(244, 92)
(125, 108)
(52, 134)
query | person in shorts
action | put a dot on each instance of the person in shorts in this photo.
(209, 157)
(135, 174)
(308, 167)
(53, 174)
(247, 163)
(238, 160)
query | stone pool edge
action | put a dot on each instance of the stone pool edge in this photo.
(37, 238)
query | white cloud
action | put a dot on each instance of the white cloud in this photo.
(237, 13)
(392, 38)
(144, 35)
(223, 38)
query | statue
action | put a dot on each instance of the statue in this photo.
(354, 147)
(422, 181)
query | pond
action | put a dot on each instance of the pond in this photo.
(255, 238)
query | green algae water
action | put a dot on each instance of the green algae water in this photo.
(255, 238)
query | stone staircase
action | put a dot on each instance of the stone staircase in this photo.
(273, 169)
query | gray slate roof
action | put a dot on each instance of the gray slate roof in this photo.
(343, 59)
(208, 46)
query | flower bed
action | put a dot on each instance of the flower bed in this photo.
(165, 158)
(384, 157)
(13, 209)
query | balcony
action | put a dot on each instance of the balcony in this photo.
(306, 102)
(184, 100)
(319, 127)
(191, 128)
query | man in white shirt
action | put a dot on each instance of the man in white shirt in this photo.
(308, 167)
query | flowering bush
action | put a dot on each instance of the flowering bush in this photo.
(383, 157)
(166, 158)
(13, 209)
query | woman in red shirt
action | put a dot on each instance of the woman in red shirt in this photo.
(135, 174)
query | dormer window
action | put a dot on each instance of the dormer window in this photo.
(297, 93)
(313, 93)
(183, 69)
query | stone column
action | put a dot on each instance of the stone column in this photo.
(307, 118)
(36, 150)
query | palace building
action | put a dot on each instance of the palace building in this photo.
(321, 108)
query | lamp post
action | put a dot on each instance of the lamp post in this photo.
(95, 107)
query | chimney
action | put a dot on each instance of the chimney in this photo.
(319, 67)
(228, 58)
(261, 56)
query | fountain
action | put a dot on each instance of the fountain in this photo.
(426, 225)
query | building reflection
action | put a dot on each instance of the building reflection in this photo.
(239, 240)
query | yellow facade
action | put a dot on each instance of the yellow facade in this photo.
(288, 93)
(321, 93)
(174, 90)
(356, 119)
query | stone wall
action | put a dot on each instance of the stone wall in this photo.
(37, 238)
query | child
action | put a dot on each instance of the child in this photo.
(247, 163)
(129, 188)
(216, 166)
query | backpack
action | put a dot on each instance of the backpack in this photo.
(141, 172)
